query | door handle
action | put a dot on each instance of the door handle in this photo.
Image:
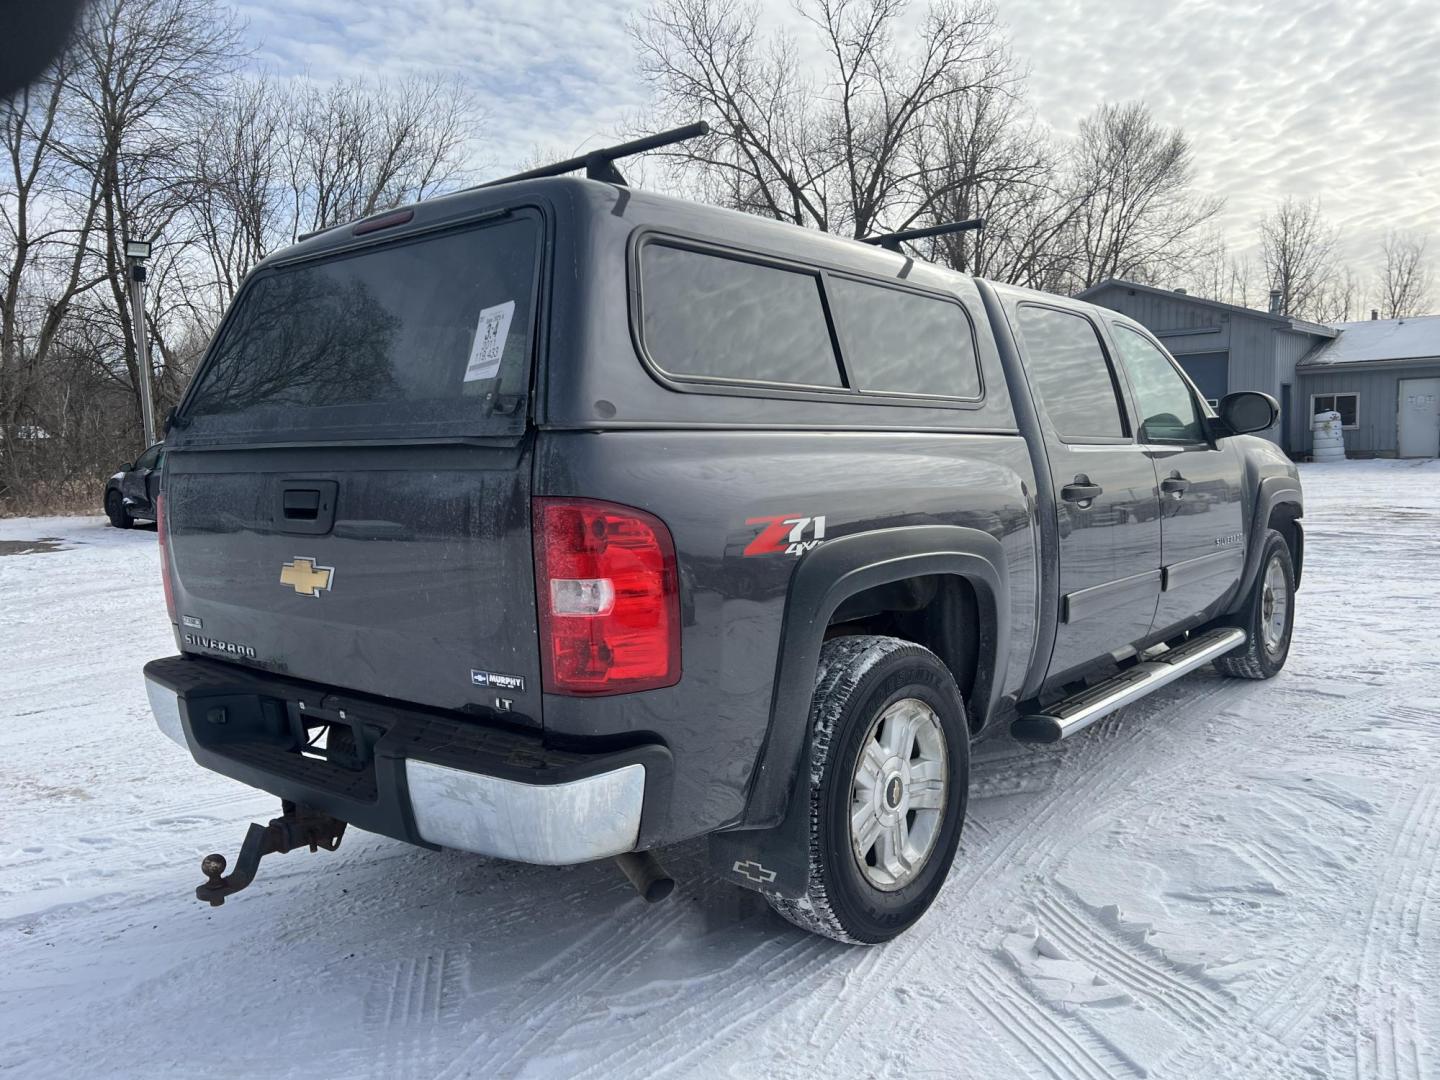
(1081, 491)
(1174, 484)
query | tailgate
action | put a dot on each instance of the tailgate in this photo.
(400, 571)
(347, 495)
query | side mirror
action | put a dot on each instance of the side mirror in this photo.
(127, 466)
(1247, 411)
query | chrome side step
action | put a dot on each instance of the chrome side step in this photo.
(1076, 713)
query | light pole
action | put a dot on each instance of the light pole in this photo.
(136, 252)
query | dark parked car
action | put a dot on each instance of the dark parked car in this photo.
(557, 521)
(131, 493)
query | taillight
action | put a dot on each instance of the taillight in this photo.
(608, 598)
(164, 536)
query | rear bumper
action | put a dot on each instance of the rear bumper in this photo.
(431, 778)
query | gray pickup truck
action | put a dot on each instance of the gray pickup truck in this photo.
(558, 521)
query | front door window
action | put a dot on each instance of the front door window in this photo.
(1167, 407)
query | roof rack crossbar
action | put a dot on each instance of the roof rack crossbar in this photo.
(892, 241)
(600, 164)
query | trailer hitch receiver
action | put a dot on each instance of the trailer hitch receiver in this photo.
(298, 826)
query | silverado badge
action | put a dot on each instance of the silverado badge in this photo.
(305, 577)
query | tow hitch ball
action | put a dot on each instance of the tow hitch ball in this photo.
(298, 826)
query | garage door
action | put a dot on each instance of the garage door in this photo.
(1211, 372)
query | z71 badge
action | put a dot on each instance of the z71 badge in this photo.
(784, 534)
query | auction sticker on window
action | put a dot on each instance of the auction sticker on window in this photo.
(489, 345)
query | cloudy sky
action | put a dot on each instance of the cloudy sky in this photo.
(1325, 98)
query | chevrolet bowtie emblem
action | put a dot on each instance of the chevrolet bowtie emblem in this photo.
(305, 577)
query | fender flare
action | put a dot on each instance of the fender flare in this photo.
(767, 849)
(1272, 491)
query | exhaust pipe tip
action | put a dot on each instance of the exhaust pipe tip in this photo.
(644, 871)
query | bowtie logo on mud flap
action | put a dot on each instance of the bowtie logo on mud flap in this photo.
(754, 871)
(305, 577)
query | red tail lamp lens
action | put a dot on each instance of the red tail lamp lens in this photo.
(608, 598)
(164, 535)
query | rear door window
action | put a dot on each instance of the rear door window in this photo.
(430, 335)
(1070, 374)
(709, 316)
(900, 342)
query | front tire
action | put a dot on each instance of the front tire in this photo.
(890, 754)
(1268, 616)
(116, 512)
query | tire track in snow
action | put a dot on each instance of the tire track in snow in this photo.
(559, 985)
(413, 998)
(1388, 1039)
(673, 1050)
(1063, 1049)
(1290, 1007)
(1145, 971)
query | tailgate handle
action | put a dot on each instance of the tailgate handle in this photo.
(304, 506)
(301, 504)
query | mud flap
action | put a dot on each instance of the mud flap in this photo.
(775, 861)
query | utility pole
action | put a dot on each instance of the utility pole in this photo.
(136, 252)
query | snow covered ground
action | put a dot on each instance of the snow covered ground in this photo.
(1227, 879)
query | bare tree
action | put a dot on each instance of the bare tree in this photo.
(1220, 274)
(1297, 247)
(1339, 298)
(1404, 277)
(238, 204)
(142, 132)
(46, 218)
(272, 161)
(1138, 217)
(841, 150)
(138, 72)
(986, 158)
(355, 147)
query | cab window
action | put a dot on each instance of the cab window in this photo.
(1071, 374)
(1167, 407)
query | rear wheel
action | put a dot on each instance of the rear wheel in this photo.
(1268, 616)
(116, 512)
(890, 750)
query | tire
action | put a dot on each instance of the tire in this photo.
(116, 512)
(1269, 636)
(870, 691)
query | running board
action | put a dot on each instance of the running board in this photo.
(1076, 713)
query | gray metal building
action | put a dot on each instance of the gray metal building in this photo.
(1382, 376)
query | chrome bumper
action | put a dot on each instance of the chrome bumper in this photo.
(592, 817)
(165, 704)
(553, 824)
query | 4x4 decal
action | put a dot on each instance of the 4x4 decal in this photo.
(784, 534)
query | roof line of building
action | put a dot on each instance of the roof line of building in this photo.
(1286, 321)
(1307, 364)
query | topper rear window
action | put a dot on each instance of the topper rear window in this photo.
(430, 336)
